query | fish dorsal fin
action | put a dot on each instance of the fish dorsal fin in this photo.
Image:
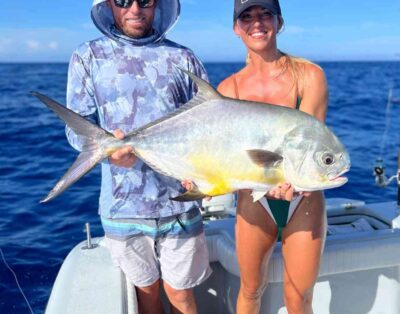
(264, 158)
(205, 93)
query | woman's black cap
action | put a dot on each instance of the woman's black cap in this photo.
(242, 5)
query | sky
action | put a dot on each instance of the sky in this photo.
(320, 30)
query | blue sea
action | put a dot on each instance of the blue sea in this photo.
(35, 238)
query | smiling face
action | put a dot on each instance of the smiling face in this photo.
(258, 28)
(134, 21)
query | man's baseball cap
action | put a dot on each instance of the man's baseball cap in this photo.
(242, 5)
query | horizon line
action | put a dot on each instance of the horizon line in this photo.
(212, 61)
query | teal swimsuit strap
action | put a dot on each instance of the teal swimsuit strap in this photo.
(298, 101)
(280, 211)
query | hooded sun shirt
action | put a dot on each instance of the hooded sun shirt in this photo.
(121, 82)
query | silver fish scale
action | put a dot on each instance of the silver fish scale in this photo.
(223, 129)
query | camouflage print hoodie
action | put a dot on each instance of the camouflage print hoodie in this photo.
(120, 82)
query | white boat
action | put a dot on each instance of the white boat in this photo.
(360, 269)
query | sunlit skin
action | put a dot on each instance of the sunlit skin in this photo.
(263, 79)
(134, 21)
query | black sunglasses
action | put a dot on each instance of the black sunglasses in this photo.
(127, 3)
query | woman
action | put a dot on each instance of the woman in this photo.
(273, 77)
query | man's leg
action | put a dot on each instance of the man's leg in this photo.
(149, 299)
(184, 264)
(137, 259)
(182, 301)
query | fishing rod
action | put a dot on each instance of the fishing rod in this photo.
(381, 179)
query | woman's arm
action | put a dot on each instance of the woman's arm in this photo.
(314, 92)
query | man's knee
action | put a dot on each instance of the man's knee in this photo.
(181, 296)
(149, 292)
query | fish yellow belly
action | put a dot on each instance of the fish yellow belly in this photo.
(220, 175)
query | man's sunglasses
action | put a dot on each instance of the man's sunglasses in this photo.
(127, 3)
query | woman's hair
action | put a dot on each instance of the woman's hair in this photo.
(295, 65)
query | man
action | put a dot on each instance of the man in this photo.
(123, 81)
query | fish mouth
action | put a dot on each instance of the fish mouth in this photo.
(338, 179)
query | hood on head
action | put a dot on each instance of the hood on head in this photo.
(166, 15)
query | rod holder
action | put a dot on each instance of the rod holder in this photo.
(89, 244)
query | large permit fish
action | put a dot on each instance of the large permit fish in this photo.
(220, 144)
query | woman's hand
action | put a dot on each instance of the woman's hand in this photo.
(285, 192)
(123, 157)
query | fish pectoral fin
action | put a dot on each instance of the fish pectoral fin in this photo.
(264, 158)
(257, 195)
(189, 196)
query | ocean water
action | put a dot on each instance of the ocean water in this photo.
(35, 238)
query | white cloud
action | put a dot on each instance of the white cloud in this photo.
(41, 44)
(53, 45)
(32, 44)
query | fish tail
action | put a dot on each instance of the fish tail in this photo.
(91, 136)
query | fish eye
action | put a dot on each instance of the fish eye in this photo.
(328, 159)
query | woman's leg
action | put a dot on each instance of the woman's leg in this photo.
(302, 245)
(256, 233)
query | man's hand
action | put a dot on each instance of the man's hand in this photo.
(123, 157)
(189, 185)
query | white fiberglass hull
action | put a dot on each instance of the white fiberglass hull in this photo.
(360, 271)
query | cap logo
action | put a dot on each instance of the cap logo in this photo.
(243, 1)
